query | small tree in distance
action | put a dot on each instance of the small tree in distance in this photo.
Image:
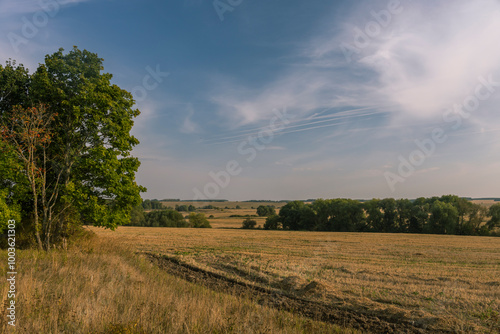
(198, 220)
(266, 210)
(249, 224)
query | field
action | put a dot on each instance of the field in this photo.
(230, 280)
(102, 286)
(222, 217)
(428, 282)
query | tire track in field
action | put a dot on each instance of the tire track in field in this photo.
(306, 308)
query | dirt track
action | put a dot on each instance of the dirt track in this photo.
(286, 302)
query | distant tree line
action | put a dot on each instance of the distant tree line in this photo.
(266, 201)
(166, 218)
(152, 204)
(186, 208)
(448, 214)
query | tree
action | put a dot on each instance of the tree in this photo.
(403, 215)
(297, 216)
(494, 213)
(84, 163)
(183, 207)
(28, 133)
(375, 217)
(249, 224)
(198, 220)
(418, 215)
(7, 212)
(137, 217)
(348, 215)
(273, 223)
(477, 215)
(388, 207)
(443, 219)
(265, 210)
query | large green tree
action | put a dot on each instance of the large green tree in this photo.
(86, 165)
(494, 213)
(444, 218)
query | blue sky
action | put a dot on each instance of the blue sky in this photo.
(350, 99)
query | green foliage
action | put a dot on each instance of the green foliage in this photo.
(297, 216)
(8, 212)
(374, 214)
(273, 223)
(266, 210)
(198, 220)
(185, 208)
(443, 219)
(443, 215)
(152, 204)
(494, 213)
(137, 217)
(249, 223)
(90, 171)
(165, 218)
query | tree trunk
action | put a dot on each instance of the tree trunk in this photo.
(37, 222)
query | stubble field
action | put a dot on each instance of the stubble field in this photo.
(428, 282)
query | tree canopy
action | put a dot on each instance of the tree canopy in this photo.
(437, 215)
(66, 143)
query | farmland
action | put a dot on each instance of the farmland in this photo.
(433, 282)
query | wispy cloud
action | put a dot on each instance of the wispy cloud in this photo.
(421, 63)
(427, 67)
(189, 126)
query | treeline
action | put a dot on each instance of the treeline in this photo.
(166, 218)
(437, 215)
(151, 204)
(266, 201)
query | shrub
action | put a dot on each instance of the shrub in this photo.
(266, 210)
(198, 220)
(249, 223)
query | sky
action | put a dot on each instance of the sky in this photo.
(289, 99)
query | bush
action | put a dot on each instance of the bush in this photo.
(165, 218)
(249, 223)
(266, 210)
(198, 220)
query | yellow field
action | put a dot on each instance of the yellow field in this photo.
(434, 281)
(100, 286)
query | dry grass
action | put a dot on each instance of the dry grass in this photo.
(447, 282)
(101, 286)
(486, 202)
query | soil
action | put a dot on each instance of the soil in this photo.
(285, 301)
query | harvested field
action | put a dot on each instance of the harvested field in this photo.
(413, 282)
(283, 301)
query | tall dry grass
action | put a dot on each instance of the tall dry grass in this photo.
(100, 285)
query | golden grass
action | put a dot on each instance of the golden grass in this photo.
(101, 286)
(445, 282)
